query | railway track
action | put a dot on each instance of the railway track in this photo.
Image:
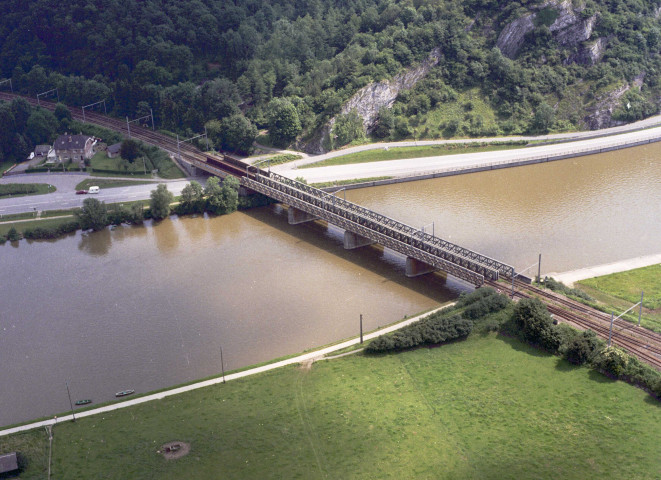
(638, 341)
(189, 153)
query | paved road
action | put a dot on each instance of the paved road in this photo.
(421, 166)
(65, 197)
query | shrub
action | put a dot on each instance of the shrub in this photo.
(535, 324)
(581, 349)
(433, 329)
(13, 235)
(560, 287)
(611, 361)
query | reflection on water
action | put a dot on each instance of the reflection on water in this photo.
(146, 307)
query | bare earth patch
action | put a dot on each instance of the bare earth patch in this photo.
(174, 450)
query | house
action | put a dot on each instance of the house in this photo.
(73, 147)
(114, 150)
(42, 150)
(8, 463)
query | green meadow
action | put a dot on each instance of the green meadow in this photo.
(488, 407)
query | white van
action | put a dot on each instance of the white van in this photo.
(93, 189)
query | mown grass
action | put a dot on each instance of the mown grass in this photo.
(622, 290)
(22, 226)
(398, 153)
(339, 183)
(103, 183)
(25, 189)
(488, 408)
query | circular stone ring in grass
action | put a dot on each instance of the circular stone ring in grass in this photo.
(173, 450)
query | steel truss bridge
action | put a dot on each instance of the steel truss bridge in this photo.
(429, 249)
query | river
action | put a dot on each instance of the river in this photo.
(149, 307)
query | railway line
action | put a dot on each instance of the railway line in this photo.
(224, 163)
(638, 341)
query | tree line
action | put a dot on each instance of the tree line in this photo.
(289, 66)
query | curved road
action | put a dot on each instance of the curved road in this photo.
(431, 165)
(65, 196)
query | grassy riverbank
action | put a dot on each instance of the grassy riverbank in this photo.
(397, 153)
(620, 291)
(488, 407)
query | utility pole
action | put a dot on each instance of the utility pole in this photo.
(361, 328)
(151, 112)
(70, 402)
(640, 312)
(539, 269)
(128, 126)
(222, 364)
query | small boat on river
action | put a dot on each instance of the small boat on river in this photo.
(124, 393)
(83, 402)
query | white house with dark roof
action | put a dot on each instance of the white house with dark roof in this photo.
(73, 147)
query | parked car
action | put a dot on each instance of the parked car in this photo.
(81, 192)
(93, 189)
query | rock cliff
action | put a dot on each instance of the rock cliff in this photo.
(370, 99)
(569, 28)
(600, 115)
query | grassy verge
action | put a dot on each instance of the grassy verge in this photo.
(25, 189)
(339, 183)
(43, 223)
(487, 407)
(278, 160)
(102, 183)
(16, 216)
(619, 291)
(399, 153)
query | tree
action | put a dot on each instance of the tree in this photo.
(235, 133)
(93, 214)
(582, 348)
(347, 128)
(160, 200)
(543, 119)
(283, 121)
(222, 199)
(386, 123)
(62, 114)
(130, 149)
(41, 126)
(192, 198)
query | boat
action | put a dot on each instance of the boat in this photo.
(83, 402)
(124, 393)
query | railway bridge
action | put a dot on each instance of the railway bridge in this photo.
(424, 252)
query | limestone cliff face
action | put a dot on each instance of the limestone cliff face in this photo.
(568, 29)
(370, 99)
(600, 115)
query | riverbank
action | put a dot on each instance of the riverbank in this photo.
(306, 357)
(414, 169)
(568, 278)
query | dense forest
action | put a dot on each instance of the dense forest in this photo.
(289, 66)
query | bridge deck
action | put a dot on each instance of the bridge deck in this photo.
(453, 259)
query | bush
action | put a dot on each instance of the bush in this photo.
(535, 324)
(40, 233)
(611, 361)
(560, 287)
(13, 235)
(582, 348)
(434, 329)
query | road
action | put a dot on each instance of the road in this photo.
(65, 197)
(429, 165)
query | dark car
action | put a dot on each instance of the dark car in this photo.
(81, 192)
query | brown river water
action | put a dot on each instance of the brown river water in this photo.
(149, 307)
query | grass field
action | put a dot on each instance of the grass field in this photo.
(398, 153)
(22, 226)
(24, 189)
(622, 290)
(103, 183)
(485, 408)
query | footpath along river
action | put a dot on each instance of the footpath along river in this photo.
(149, 307)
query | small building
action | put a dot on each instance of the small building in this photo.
(8, 463)
(42, 150)
(114, 150)
(73, 147)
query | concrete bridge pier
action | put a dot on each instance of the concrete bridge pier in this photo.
(296, 216)
(415, 267)
(353, 240)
